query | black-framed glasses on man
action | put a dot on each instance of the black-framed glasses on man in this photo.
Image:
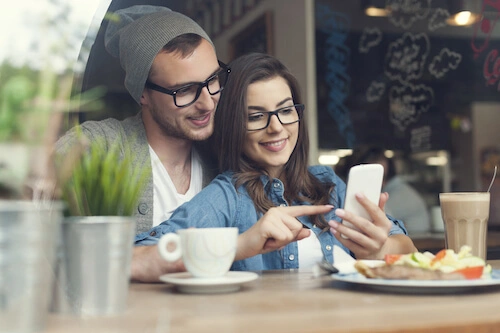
(188, 94)
(286, 115)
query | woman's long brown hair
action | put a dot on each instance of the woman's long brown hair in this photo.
(231, 130)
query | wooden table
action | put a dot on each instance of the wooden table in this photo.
(293, 301)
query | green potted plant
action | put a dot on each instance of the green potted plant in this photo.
(96, 181)
(101, 188)
(28, 99)
(36, 85)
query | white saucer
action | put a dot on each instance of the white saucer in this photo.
(230, 282)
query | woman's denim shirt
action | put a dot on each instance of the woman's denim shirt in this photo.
(221, 205)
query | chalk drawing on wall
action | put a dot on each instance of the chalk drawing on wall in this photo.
(371, 37)
(483, 30)
(405, 58)
(337, 54)
(375, 91)
(438, 19)
(408, 102)
(485, 26)
(491, 68)
(445, 61)
(406, 12)
(420, 139)
(408, 59)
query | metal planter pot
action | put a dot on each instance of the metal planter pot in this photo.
(28, 238)
(94, 265)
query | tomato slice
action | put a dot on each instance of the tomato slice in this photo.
(391, 258)
(440, 255)
(471, 273)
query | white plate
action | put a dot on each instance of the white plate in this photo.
(230, 282)
(348, 267)
(420, 286)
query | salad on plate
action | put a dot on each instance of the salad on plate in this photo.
(444, 265)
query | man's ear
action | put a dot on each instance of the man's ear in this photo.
(144, 98)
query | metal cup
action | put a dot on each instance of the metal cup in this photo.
(94, 265)
(28, 234)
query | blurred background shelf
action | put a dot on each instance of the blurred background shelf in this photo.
(433, 242)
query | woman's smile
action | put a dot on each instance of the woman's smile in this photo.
(275, 145)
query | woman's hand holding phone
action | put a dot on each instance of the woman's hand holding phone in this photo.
(369, 238)
(365, 226)
(366, 179)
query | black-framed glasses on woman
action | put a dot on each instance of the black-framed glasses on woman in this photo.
(188, 94)
(286, 115)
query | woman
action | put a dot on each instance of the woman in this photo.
(262, 145)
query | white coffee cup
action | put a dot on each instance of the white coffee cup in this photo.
(206, 252)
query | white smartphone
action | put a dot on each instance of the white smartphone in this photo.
(367, 179)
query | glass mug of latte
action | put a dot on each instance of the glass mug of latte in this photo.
(465, 217)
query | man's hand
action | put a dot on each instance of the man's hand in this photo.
(278, 227)
(148, 266)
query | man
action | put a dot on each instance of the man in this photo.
(173, 73)
(164, 49)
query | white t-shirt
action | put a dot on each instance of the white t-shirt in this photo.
(166, 198)
(309, 251)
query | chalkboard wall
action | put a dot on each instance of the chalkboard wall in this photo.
(403, 81)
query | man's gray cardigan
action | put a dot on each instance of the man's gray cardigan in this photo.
(129, 130)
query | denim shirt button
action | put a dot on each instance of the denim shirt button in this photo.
(328, 247)
(291, 257)
(276, 185)
(143, 208)
(152, 233)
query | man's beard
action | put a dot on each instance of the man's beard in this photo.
(169, 129)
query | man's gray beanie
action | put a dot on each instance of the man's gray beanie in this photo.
(136, 34)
